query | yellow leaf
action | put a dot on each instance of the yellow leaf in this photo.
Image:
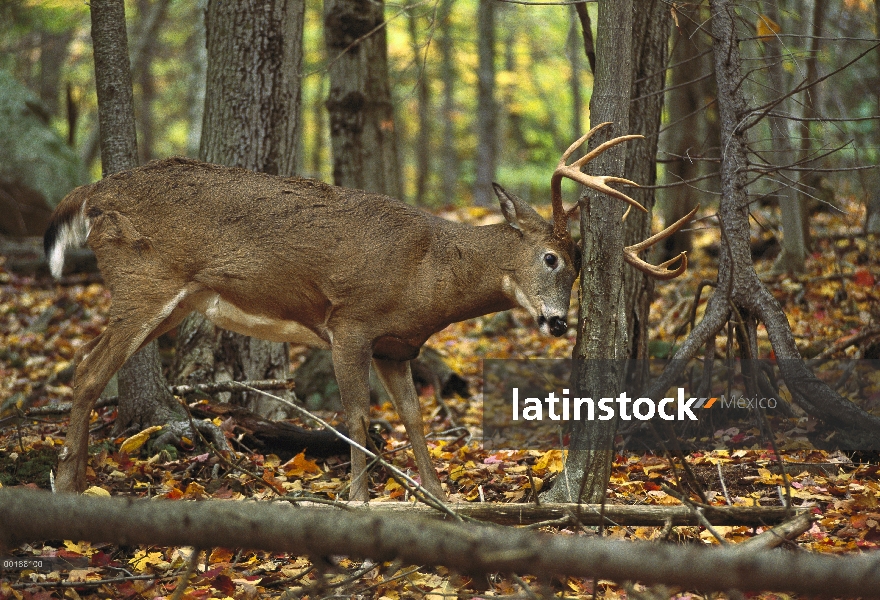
(96, 491)
(143, 560)
(134, 443)
(767, 28)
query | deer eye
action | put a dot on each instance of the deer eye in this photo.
(551, 260)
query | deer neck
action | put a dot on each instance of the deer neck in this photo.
(476, 274)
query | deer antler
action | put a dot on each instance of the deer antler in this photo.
(600, 184)
(596, 182)
(630, 253)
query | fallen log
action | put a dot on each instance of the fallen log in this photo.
(27, 515)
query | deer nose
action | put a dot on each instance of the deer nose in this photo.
(558, 326)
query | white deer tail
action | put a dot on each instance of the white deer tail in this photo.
(69, 226)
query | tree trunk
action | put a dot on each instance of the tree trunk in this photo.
(448, 154)
(362, 132)
(809, 181)
(253, 89)
(423, 110)
(198, 79)
(143, 395)
(487, 109)
(682, 142)
(794, 253)
(651, 27)
(144, 75)
(872, 214)
(53, 53)
(574, 48)
(602, 343)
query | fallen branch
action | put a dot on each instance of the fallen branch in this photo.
(177, 390)
(27, 515)
(844, 343)
(589, 514)
(775, 537)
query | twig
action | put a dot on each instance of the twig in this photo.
(723, 486)
(178, 390)
(184, 577)
(844, 343)
(437, 503)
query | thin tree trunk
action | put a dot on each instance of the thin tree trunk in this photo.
(53, 53)
(810, 101)
(254, 56)
(602, 343)
(872, 214)
(487, 109)
(574, 48)
(794, 253)
(449, 157)
(362, 131)
(423, 110)
(319, 115)
(682, 141)
(145, 37)
(143, 395)
(198, 80)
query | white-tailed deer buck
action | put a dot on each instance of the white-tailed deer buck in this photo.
(288, 259)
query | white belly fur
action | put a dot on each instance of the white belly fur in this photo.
(229, 316)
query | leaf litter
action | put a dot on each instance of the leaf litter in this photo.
(42, 324)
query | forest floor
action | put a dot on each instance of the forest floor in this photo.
(43, 323)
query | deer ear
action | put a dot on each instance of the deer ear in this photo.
(518, 213)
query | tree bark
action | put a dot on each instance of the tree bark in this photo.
(487, 108)
(254, 57)
(362, 133)
(574, 48)
(651, 27)
(143, 396)
(602, 343)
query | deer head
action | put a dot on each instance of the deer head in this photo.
(548, 265)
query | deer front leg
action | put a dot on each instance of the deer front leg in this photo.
(352, 369)
(396, 376)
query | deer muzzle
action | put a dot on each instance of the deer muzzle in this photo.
(556, 325)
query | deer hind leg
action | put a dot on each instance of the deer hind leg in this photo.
(396, 376)
(133, 322)
(352, 368)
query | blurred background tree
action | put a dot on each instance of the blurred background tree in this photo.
(433, 61)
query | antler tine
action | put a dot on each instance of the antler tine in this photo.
(598, 183)
(603, 147)
(630, 253)
(579, 142)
